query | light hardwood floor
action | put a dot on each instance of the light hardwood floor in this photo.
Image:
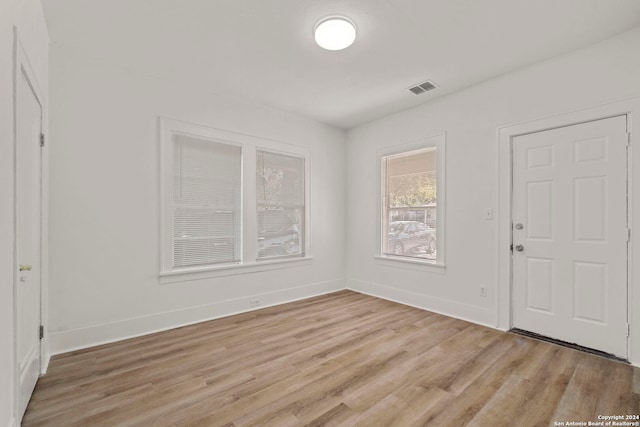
(340, 359)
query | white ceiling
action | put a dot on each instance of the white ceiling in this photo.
(263, 50)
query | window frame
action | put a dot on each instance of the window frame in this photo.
(438, 142)
(249, 145)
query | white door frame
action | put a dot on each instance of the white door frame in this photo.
(23, 65)
(630, 107)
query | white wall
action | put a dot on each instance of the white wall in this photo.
(27, 16)
(470, 118)
(105, 204)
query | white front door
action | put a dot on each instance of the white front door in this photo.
(28, 239)
(570, 234)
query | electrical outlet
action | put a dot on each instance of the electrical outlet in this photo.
(483, 291)
(253, 303)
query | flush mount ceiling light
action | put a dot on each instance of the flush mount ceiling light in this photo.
(335, 32)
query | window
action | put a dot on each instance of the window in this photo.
(230, 201)
(412, 196)
(280, 203)
(206, 202)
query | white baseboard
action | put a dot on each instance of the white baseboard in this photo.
(470, 313)
(45, 358)
(75, 339)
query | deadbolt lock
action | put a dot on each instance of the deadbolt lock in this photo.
(25, 267)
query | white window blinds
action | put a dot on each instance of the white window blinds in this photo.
(206, 202)
(280, 198)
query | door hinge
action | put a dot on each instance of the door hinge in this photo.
(628, 139)
(41, 331)
(42, 140)
(628, 234)
(628, 330)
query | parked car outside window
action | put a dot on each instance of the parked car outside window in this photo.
(278, 235)
(411, 238)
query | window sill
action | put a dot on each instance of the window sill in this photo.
(230, 270)
(410, 263)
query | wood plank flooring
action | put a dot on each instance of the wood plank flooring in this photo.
(343, 359)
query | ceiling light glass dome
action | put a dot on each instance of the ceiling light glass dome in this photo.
(335, 33)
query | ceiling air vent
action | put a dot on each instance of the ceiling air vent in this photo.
(422, 87)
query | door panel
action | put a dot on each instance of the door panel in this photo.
(590, 290)
(539, 283)
(589, 208)
(570, 197)
(539, 209)
(28, 239)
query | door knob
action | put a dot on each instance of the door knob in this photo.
(519, 248)
(25, 267)
(519, 226)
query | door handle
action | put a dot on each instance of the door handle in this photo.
(25, 267)
(519, 248)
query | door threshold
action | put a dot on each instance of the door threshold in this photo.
(568, 345)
